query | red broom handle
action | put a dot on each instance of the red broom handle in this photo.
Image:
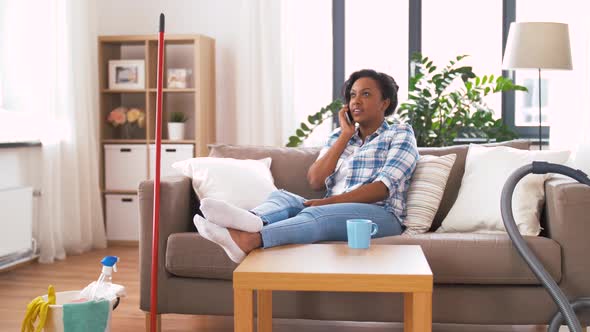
(156, 221)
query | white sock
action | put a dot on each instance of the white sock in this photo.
(226, 215)
(219, 235)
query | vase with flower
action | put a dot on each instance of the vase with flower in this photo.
(129, 122)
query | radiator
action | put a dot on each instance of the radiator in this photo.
(16, 225)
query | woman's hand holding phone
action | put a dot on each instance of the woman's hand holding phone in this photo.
(346, 121)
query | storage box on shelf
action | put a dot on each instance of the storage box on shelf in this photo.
(170, 153)
(127, 157)
(125, 166)
(122, 217)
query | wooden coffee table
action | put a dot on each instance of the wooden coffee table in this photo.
(333, 268)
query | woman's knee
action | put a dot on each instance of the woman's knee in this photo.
(287, 198)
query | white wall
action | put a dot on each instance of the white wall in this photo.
(213, 18)
(17, 167)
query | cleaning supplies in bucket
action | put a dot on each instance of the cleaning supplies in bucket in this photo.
(72, 311)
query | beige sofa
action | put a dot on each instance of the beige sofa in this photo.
(479, 279)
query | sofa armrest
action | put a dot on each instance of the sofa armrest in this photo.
(567, 210)
(176, 206)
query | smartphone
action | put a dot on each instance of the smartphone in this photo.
(349, 117)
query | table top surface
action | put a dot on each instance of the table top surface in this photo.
(336, 259)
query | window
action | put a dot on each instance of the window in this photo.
(376, 37)
(441, 30)
(23, 70)
(309, 44)
(457, 27)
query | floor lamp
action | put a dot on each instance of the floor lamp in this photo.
(538, 45)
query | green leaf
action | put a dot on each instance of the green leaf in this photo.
(477, 81)
(484, 80)
(300, 133)
(304, 127)
(294, 141)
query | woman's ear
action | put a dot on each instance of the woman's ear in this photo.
(386, 104)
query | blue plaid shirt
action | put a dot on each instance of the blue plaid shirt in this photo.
(388, 155)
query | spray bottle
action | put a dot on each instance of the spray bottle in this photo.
(104, 282)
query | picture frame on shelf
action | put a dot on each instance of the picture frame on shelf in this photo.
(177, 78)
(127, 74)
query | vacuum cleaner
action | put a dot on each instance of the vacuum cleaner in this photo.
(566, 309)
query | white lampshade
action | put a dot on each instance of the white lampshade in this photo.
(542, 45)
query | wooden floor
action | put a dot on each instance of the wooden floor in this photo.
(20, 286)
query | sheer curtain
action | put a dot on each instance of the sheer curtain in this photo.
(284, 68)
(307, 52)
(50, 66)
(570, 126)
(259, 92)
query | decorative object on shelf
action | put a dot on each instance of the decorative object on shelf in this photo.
(176, 126)
(117, 117)
(538, 45)
(178, 78)
(127, 74)
(129, 122)
(438, 112)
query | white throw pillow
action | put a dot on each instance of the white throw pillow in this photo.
(243, 183)
(426, 191)
(477, 208)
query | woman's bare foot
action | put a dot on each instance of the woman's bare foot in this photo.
(245, 240)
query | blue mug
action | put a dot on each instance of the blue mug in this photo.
(359, 232)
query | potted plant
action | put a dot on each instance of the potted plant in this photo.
(176, 126)
(437, 111)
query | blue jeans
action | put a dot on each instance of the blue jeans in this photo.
(288, 221)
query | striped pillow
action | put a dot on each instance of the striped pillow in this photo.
(426, 191)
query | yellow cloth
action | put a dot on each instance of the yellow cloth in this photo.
(38, 308)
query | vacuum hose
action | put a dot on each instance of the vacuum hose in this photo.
(565, 308)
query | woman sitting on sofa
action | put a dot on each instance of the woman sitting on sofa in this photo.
(366, 171)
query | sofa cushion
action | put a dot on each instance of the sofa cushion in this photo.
(453, 258)
(289, 165)
(244, 183)
(426, 190)
(454, 181)
(487, 169)
(457, 258)
(190, 255)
